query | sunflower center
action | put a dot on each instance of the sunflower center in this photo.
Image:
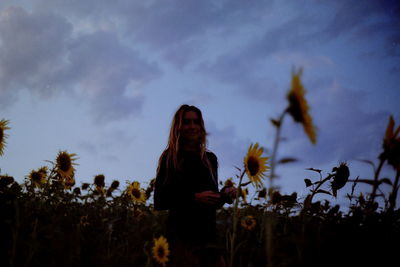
(295, 108)
(160, 252)
(36, 176)
(64, 162)
(253, 166)
(136, 193)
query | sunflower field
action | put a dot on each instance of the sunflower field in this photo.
(49, 220)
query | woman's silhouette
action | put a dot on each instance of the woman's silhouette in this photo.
(187, 186)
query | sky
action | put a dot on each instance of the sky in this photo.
(103, 79)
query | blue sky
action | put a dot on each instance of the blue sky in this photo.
(102, 79)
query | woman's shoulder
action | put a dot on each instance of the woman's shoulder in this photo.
(212, 157)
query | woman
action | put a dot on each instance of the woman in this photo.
(187, 186)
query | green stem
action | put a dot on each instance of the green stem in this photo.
(393, 195)
(376, 177)
(319, 185)
(235, 221)
(275, 148)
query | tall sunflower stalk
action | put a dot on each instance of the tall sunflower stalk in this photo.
(254, 167)
(299, 110)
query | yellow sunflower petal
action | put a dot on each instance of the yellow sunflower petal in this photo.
(255, 165)
(3, 135)
(161, 250)
(298, 106)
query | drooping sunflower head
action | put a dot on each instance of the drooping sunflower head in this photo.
(161, 250)
(65, 164)
(248, 222)
(298, 106)
(99, 180)
(391, 145)
(137, 194)
(243, 194)
(340, 178)
(69, 182)
(255, 165)
(3, 135)
(38, 178)
(229, 183)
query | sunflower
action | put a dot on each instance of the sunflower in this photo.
(340, 177)
(255, 165)
(243, 193)
(38, 178)
(298, 106)
(137, 194)
(161, 250)
(391, 145)
(248, 222)
(65, 164)
(100, 190)
(69, 182)
(3, 136)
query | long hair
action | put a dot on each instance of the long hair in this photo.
(170, 154)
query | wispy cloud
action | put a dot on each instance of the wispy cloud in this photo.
(49, 60)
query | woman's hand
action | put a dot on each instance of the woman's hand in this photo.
(230, 191)
(207, 197)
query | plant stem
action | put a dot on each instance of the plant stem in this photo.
(275, 148)
(235, 221)
(376, 177)
(319, 185)
(393, 195)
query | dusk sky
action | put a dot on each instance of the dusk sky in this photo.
(102, 79)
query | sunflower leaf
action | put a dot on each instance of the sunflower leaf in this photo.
(315, 170)
(386, 181)
(287, 160)
(276, 123)
(308, 182)
(370, 162)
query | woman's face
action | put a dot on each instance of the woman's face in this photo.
(191, 128)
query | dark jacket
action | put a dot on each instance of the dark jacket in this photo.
(188, 220)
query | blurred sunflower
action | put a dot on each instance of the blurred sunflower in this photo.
(137, 194)
(65, 164)
(391, 145)
(255, 165)
(69, 182)
(3, 136)
(161, 250)
(243, 193)
(298, 106)
(100, 190)
(229, 183)
(340, 178)
(248, 222)
(38, 178)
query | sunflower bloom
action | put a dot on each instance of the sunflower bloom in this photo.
(391, 145)
(298, 106)
(243, 193)
(255, 165)
(38, 178)
(137, 194)
(3, 136)
(69, 182)
(65, 164)
(248, 222)
(161, 250)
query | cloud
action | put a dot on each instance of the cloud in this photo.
(31, 51)
(39, 52)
